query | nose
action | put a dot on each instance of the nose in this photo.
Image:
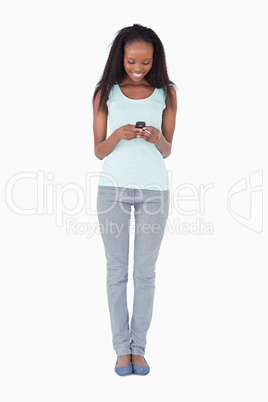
(138, 68)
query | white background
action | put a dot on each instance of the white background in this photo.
(208, 338)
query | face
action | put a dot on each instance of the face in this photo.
(138, 60)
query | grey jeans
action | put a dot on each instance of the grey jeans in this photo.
(114, 213)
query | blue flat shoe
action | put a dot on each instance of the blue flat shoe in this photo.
(123, 370)
(140, 369)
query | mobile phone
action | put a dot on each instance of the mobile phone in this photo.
(140, 124)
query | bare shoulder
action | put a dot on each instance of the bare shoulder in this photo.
(97, 96)
(173, 93)
(96, 105)
(171, 104)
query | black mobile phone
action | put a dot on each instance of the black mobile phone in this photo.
(140, 124)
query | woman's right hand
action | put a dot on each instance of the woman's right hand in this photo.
(127, 132)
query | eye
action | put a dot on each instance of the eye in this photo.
(146, 63)
(130, 62)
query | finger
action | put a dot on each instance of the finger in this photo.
(146, 132)
(148, 129)
(146, 135)
(138, 133)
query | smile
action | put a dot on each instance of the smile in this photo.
(136, 75)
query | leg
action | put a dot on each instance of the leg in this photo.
(151, 212)
(114, 219)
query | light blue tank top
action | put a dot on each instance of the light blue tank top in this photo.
(135, 163)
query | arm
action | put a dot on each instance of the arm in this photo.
(168, 126)
(103, 146)
(163, 140)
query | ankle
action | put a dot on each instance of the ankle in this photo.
(138, 360)
(123, 360)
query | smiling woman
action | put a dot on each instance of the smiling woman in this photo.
(138, 59)
(134, 87)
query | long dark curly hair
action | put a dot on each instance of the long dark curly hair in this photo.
(114, 71)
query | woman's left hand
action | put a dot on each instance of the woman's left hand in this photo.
(150, 134)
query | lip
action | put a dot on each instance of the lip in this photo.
(137, 76)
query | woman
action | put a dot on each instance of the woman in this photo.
(134, 88)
